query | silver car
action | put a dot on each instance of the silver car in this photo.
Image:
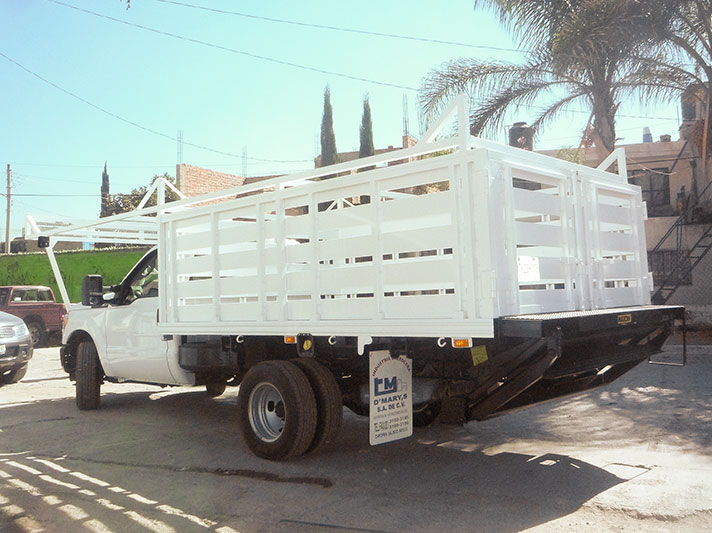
(15, 348)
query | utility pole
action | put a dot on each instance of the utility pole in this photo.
(7, 214)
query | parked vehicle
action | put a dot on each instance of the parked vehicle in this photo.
(36, 305)
(15, 348)
(458, 278)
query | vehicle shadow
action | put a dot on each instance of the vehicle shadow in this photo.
(418, 484)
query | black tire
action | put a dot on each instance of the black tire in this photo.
(215, 388)
(329, 404)
(277, 410)
(89, 377)
(38, 333)
(425, 414)
(14, 375)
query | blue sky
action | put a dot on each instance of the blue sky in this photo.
(57, 144)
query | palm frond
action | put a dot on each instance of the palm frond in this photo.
(490, 114)
(553, 111)
(472, 77)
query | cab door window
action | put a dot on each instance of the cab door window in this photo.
(144, 283)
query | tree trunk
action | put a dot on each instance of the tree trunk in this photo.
(706, 203)
(604, 125)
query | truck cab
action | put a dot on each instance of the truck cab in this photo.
(122, 323)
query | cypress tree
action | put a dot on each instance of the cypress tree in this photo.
(104, 192)
(328, 139)
(366, 131)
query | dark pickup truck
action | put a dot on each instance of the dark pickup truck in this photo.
(36, 305)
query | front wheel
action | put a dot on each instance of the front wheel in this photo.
(14, 375)
(277, 410)
(89, 376)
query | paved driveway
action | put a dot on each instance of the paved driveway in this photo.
(635, 456)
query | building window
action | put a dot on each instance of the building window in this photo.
(663, 262)
(655, 186)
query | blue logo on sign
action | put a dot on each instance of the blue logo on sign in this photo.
(385, 386)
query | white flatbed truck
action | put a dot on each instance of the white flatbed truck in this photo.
(457, 278)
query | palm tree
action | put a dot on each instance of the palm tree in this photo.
(689, 32)
(586, 52)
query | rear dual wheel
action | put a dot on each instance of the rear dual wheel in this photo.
(277, 410)
(329, 404)
(288, 408)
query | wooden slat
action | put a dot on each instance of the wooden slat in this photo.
(621, 270)
(419, 274)
(536, 202)
(539, 234)
(614, 214)
(349, 279)
(193, 242)
(300, 253)
(618, 297)
(425, 206)
(248, 311)
(195, 313)
(297, 226)
(392, 243)
(551, 269)
(412, 179)
(541, 251)
(339, 219)
(547, 300)
(415, 307)
(347, 189)
(436, 238)
(339, 249)
(617, 242)
(348, 309)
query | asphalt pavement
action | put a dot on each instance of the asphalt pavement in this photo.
(633, 456)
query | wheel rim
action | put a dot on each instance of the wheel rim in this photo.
(267, 412)
(34, 333)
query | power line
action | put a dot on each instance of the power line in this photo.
(130, 122)
(85, 165)
(618, 130)
(34, 208)
(235, 51)
(53, 195)
(164, 166)
(64, 180)
(338, 28)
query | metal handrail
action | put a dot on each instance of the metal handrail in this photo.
(680, 219)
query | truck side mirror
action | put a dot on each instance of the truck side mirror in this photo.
(92, 290)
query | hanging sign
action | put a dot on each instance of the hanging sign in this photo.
(391, 400)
